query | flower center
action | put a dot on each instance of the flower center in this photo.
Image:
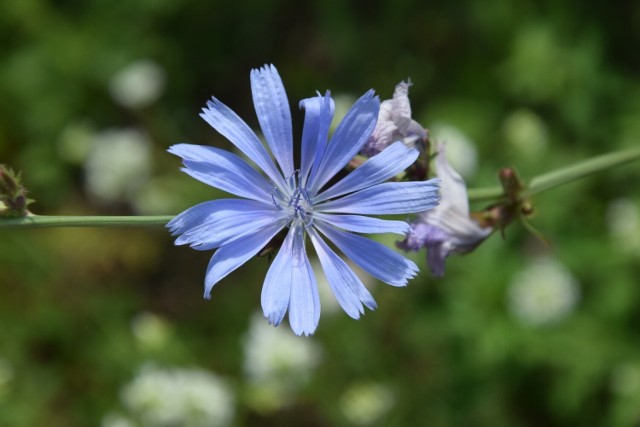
(298, 204)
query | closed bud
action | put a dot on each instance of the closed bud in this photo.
(13, 196)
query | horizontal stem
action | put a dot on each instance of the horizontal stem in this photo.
(563, 175)
(587, 167)
(485, 193)
(537, 185)
(37, 221)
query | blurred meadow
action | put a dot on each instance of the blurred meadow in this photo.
(107, 326)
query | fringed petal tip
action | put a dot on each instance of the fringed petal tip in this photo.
(176, 149)
(266, 68)
(412, 267)
(410, 273)
(174, 227)
(174, 230)
(274, 319)
(356, 315)
(370, 95)
(302, 332)
(212, 104)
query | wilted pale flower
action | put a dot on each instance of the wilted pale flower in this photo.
(298, 201)
(448, 229)
(542, 293)
(276, 364)
(118, 163)
(137, 85)
(395, 124)
(365, 403)
(179, 397)
(461, 150)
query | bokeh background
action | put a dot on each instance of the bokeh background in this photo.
(108, 326)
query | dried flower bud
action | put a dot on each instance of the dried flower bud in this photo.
(13, 196)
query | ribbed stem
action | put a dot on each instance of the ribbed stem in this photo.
(537, 185)
(563, 175)
(37, 221)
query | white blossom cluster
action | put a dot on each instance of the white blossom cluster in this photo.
(177, 397)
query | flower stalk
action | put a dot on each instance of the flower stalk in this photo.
(536, 185)
(41, 221)
(561, 176)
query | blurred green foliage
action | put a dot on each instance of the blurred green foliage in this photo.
(531, 84)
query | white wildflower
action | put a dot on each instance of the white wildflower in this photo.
(118, 164)
(525, 131)
(117, 420)
(276, 364)
(543, 293)
(623, 220)
(365, 403)
(151, 331)
(138, 85)
(171, 397)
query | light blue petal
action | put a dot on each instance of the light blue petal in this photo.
(348, 139)
(317, 121)
(232, 127)
(197, 215)
(192, 217)
(231, 256)
(276, 290)
(224, 170)
(373, 257)
(274, 115)
(346, 286)
(230, 223)
(390, 162)
(304, 303)
(364, 224)
(387, 198)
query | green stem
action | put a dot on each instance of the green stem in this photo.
(485, 193)
(36, 221)
(587, 167)
(537, 185)
(562, 176)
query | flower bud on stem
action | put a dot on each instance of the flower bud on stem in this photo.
(13, 196)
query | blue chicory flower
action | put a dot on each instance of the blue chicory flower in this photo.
(303, 200)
